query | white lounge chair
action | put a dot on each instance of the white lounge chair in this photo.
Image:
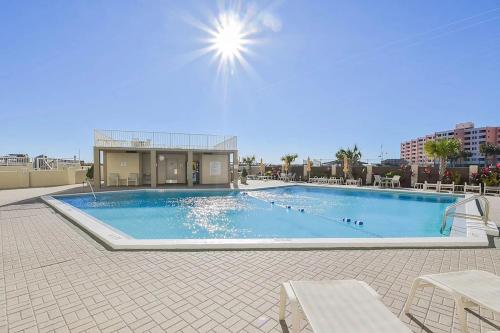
(338, 306)
(472, 188)
(431, 186)
(332, 180)
(447, 187)
(356, 182)
(468, 288)
(492, 190)
(418, 186)
(133, 178)
(377, 180)
(113, 179)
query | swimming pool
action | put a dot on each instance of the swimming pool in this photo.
(286, 212)
(292, 216)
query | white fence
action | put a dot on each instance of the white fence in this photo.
(10, 160)
(134, 139)
(47, 163)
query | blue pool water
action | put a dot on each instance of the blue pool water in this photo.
(228, 214)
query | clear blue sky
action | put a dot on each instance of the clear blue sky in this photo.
(325, 74)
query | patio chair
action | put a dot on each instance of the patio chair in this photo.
(447, 187)
(114, 178)
(377, 180)
(338, 306)
(492, 190)
(472, 188)
(133, 178)
(468, 289)
(395, 181)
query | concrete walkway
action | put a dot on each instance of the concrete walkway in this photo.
(8, 197)
(55, 278)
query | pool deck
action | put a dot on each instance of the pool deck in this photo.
(54, 277)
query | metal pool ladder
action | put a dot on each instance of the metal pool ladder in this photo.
(91, 188)
(485, 209)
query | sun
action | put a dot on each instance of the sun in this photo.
(229, 38)
(228, 41)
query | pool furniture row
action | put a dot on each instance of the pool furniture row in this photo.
(335, 181)
(353, 306)
(466, 188)
(258, 177)
(115, 180)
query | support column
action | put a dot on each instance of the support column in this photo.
(154, 168)
(472, 169)
(414, 174)
(105, 168)
(97, 168)
(369, 174)
(189, 168)
(235, 169)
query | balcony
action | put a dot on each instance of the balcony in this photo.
(162, 140)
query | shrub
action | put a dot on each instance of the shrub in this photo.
(489, 176)
(90, 172)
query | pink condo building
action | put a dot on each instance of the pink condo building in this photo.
(471, 138)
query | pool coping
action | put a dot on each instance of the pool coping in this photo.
(465, 232)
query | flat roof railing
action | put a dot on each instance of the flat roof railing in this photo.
(10, 160)
(136, 139)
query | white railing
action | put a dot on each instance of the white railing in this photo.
(451, 210)
(14, 160)
(48, 163)
(135, 139)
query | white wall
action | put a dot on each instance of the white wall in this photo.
(214, 169)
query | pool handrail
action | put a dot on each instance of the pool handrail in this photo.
(484, 210)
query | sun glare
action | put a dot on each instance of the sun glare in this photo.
(231, 36)
(228, 40)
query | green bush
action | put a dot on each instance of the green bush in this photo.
(244, 173)
(90, 172)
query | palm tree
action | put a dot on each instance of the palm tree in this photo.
(487, 149)
(460, 157)
(249, 161)
(289, 158)
(353, 157)
(443, 150)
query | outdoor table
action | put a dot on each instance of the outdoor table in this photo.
(385, 180)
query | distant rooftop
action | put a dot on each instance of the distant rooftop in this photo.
(163, 140)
